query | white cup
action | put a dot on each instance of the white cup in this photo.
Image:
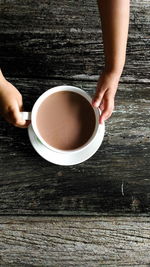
(32, 116)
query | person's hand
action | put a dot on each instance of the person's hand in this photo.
(11, 104)
(105, 94)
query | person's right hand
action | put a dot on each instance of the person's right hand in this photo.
(105, 94)
(11, 104)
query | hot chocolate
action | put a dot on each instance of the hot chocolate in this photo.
(65, 120)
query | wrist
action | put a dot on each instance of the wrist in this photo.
(112, 73)
(115, 70)
(114, 66)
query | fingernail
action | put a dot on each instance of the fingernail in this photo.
(101, 121)
(96, 104)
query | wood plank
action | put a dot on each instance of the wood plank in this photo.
(114, 181)
(74, 241)
(64, 39)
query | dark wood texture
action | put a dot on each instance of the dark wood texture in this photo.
(52, 38)
(114, 180)
(75, 241)
(47, 43)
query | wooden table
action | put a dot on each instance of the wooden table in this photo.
(105, 201)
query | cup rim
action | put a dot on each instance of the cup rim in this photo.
(60, 89)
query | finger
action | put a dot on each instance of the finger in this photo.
(104, 117)
(16, 118)
(27, 122)
(102, 106)
(98, 98)
(10, 119)
(107, 111)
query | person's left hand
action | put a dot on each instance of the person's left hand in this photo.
(105, 94)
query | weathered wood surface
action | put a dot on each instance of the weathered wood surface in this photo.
(114, 180)
(74, 241)
(51, 43)
(63, 39)
(47, 43)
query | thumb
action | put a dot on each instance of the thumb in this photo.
(17, 119)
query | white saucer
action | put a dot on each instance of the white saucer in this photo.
(66, 159)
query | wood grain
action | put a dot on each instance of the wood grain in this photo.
(115, 180)
(63, 39)
(48, 43)
(44, 44)
(74, 241)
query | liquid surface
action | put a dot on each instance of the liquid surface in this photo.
(66, 120)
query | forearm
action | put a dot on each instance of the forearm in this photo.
(115, 21)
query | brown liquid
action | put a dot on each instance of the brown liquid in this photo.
(65, 120)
